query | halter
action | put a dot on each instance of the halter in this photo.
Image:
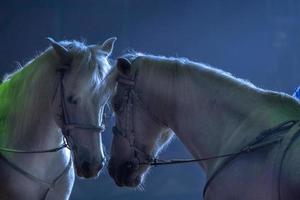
(265, 138)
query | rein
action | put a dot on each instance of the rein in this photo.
(8, 150)
(258, 143)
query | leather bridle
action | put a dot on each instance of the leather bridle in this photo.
(127, 131)
(67, 126)
(139, 157)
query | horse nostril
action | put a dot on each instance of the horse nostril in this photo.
(86, 166)
(131, 165)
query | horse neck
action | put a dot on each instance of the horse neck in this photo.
(213, 114)
(28, 123)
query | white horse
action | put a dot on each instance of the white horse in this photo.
(55, 96)
(213, 114)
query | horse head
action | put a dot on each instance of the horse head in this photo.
(79, 101)
(138, 134)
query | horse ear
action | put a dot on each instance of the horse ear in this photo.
(124, 66)
(108, 45)
(63, 53)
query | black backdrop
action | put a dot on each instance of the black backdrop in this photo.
(258, 40)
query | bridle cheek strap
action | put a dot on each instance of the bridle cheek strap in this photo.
(127, 132)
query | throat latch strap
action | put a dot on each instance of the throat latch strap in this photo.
(56, 149)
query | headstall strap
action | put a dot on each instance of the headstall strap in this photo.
(128, 132)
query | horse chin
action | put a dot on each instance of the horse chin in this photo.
(131, 181)
(86, 173)
(124, 176)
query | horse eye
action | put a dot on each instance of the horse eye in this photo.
(72, 100)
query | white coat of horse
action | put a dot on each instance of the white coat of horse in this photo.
(56, 95)
(212, 113)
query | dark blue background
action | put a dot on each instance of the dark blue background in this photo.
(258, 40)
